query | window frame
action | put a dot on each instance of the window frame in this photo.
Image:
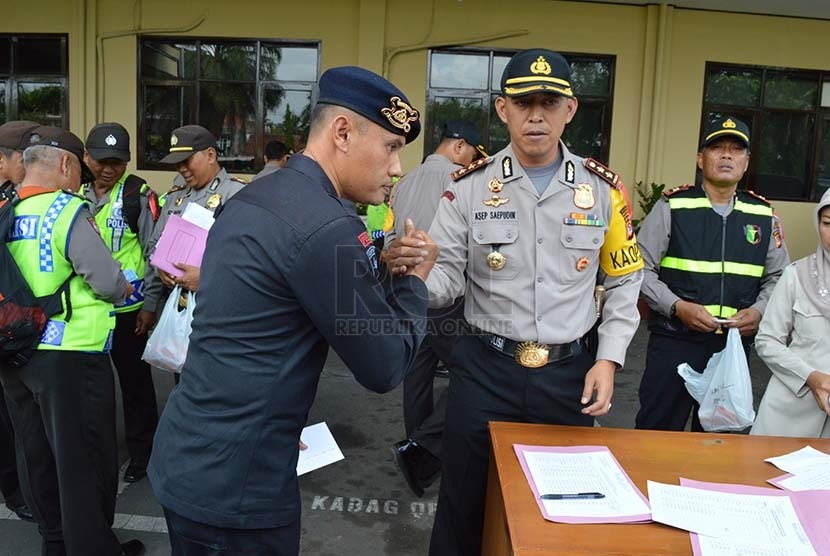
(12, 79)
(754, 117)
(487, 96)
(260, 85)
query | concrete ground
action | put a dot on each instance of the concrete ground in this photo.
(359, 506)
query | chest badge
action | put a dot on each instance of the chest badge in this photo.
(495, 185)
(582, 264)
(753, 234)
(584, 196)
(179, 201)
(495, 201)
(496, 260)
(214, 201)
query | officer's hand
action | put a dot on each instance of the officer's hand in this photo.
(695, 316)
(190, 279)
(129, 288)
(166, 278)
(599, 381)
(303, 445)
(144, 321)
(819, 384)
(746, 321)
(404, 253)
(422, 269)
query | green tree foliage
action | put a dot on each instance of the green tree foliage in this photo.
(647, 197)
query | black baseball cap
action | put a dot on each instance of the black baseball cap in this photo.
(60, 138)
(371, 96)
(16, 134)
(536, 70)
(108, 140)
(726, 126)
(462, 129)
(186, 141)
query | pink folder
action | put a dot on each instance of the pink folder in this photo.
(181, 242)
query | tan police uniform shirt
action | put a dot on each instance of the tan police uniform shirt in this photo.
(417, 195)
(212, 196)
(557, 246)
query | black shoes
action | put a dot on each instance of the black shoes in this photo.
(22, 512)
(135, 472)
(132, 548)
(419, 467)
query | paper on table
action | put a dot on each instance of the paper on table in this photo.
(710, 546)
(322, 449)
(199, 215)
(181, 242)
(812, 478)
(812, 508)
(804, 458)
(574, 469)
(750, 519)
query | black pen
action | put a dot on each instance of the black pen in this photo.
(574, 496)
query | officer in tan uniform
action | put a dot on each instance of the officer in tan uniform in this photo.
(527, 235)
(193, 150)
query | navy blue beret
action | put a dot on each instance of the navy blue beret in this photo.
(372, 96)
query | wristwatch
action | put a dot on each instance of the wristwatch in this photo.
(673, 310)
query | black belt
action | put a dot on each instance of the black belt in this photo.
(527, 354)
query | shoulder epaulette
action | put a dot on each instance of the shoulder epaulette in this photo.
(239, 180)
(759, 197)
(470, 168)
(603, 172)
(176, 188)
(677, 189)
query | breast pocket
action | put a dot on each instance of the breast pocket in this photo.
(579, 253)
(808, 321)
(490, 236)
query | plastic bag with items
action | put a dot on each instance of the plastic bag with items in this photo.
(724, 389)
(167, 345)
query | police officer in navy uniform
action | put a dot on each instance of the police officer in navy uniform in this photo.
(289, 270)
(713, 255)
(527, 235)
(14, 138)
(126, 210)
(194, 153)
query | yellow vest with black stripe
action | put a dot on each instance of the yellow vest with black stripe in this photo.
(38, 244)
(124, 244)
(712, 260)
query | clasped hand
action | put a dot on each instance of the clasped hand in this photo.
(414, 253)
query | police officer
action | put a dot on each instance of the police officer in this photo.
(14, 138)
(194, 153)
(125, 209)
(289, 270)
(416, 198)
(712, 256)
(62, 401)
(528, 233)
(276, 155)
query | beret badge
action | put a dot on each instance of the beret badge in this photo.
(400, 114)
(540, 66)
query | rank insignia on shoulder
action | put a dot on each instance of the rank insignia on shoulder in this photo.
(470, 168)
(678, 189)
(603, 171)
(759, 197)
(239, 180)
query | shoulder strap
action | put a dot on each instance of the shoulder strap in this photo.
(470, 168)
(603, 172)
(678, 189)
(758, 197)
(132, 201)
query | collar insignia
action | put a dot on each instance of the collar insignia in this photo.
(507, 167)
(569, 172)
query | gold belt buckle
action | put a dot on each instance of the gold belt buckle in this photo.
(532, 354)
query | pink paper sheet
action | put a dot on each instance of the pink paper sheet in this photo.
(812, 508)
(181, 242)
(521, 448)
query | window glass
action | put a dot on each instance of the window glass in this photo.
(287, 116)
(824, 158)
(499, 63)
(740, 87)
(165, 109)
(39, 56)
(168, 61)
(442, 109)
(228, 110)
(228, 61)
(784, 141)
(459, 71)
(584, 134)
(40, 102)
(5, 55)
(3, 118)
(289, 63)
(590, 78)
(793, 91)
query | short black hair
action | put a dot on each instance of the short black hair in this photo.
(275, 150)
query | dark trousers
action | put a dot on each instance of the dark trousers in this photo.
(665, 403)
(137, 392)
(423, 415)
(491, 386)
(9, 481)
(62, 405)
(190, 538)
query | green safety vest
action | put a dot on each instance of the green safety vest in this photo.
(124, 244)
(714, 261)
(38, 244)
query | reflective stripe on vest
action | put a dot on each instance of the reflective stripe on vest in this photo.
(710, 267)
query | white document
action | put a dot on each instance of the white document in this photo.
(322, 449)
(595, 471)
(805, 458)
(812, 478)
(710, 546)
(198, 215)
(749, 519)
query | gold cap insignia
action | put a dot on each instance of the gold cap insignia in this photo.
(540, 66)
(399, 114)
(174, 140)
(729, 124)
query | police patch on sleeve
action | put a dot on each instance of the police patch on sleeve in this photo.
(619, 254)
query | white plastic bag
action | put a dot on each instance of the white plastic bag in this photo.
(723, 390)
(167, 345)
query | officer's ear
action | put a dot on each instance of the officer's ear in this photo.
(573, 105)
(500, 108)
(211, 154)
(341, 127)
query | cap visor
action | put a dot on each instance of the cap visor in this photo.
(531, 88)
(103, 154)
(725, 133)
(175, 158)
(481, 151)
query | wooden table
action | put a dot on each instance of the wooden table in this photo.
(513, 523)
